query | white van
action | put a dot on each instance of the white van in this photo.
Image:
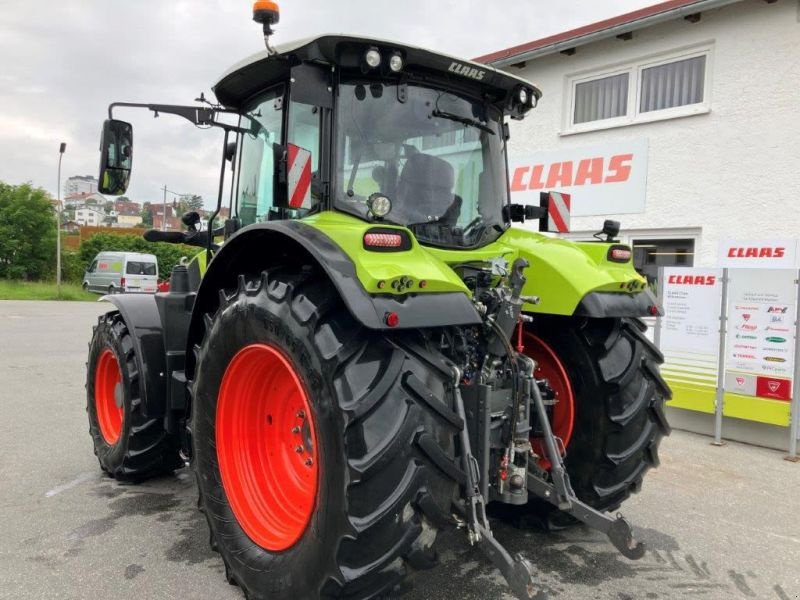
(117, 272)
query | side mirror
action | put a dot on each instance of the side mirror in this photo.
(116, 157)
(192, 220)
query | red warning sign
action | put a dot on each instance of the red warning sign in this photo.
(558, 207)
(299, 179)
(769, 387)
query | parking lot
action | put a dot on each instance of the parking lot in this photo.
(718, 522)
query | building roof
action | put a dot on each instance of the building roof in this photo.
(663, 11)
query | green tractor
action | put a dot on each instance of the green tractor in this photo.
(365, 350)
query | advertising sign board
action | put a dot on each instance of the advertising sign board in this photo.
(758, 254)
(759, 355)
(603, 180)
(689, 335)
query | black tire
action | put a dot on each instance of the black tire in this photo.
(619, 410)
(85, 286)
(385, 441)
(111, 289)
(143, 448)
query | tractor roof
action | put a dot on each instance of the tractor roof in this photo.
(260, 70)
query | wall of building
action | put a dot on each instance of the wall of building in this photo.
(85, 184)
(731, 173)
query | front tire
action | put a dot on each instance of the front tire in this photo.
(129, 445)
(379, 440)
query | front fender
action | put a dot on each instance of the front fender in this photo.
(141, 316)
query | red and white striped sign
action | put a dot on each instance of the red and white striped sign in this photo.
(558, 210)
(299, 178)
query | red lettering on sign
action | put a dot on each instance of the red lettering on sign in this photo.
(587, 171)
(620, 166)
(692, 279)
(750, 252)
(536, 178)
(517, 185)
(560, 175)
(591, 170)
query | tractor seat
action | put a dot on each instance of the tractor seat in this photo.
(425, 191)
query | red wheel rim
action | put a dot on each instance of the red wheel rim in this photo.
(550, 367)
(108, 396)
(267, 447)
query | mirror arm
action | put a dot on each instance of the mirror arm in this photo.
(198, 115)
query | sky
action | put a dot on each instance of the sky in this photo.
(63, 61)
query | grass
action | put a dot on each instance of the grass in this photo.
(34, 290)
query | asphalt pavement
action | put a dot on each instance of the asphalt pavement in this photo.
(719, 523)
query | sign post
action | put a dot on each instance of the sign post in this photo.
(719, 403)
(795, 410)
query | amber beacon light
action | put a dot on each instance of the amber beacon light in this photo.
(268, 14)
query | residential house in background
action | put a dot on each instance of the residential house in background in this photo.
(173, 222)
(120, 205)
(80, 184)
(127, 214)
(90, 215)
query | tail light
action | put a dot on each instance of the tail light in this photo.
(383, 239)
(619, 254)
(122, 282)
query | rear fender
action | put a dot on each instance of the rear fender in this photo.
(293, 243)
(577, 278)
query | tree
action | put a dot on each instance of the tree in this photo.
(193, 202)
(147, 215)
(27, 232)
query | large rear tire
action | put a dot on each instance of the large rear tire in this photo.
(612, 372)
(129, 445)
(323, 451)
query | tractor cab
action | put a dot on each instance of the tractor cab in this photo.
(379, 130)
(376, 129)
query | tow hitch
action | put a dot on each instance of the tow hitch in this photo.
(517, 570)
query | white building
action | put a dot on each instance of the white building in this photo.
(680, 120)
(80, 184)
(86, 215)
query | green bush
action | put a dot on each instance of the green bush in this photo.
(168, 255)
(72, 267)
(27, 233)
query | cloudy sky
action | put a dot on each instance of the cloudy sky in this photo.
(63, 61)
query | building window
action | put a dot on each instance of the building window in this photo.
(603, 98)
(656, 88)
(678, 83)
(649, 255)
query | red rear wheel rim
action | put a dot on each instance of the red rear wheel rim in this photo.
(267, 447)
(108, 396)
(550, 367)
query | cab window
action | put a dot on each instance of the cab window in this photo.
(264, 121)
(304, 169)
